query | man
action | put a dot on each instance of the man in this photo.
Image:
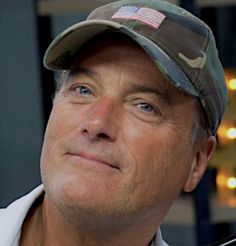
(139, 101)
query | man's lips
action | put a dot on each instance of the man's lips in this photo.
(94, 159)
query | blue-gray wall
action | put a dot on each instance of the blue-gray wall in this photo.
(20, 101)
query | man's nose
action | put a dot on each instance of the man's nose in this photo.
(101, 121)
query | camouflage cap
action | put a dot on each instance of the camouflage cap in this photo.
(181, 45)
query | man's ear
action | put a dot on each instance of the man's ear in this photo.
(204, 151)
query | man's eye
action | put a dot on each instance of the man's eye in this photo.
(83, 90)
(146, 107)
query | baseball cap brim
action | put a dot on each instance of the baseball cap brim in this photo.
(61, 52)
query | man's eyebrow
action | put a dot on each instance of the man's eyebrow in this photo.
(164, 93)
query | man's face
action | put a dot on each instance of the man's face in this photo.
(118, 139)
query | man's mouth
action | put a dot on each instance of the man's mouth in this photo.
(92, 159)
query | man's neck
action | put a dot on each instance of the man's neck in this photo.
(45, 226)
(32, 227)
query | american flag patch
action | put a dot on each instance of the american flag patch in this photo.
(148, 16)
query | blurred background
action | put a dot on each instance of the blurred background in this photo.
(204, 217)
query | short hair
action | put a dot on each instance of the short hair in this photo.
(200, 128)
